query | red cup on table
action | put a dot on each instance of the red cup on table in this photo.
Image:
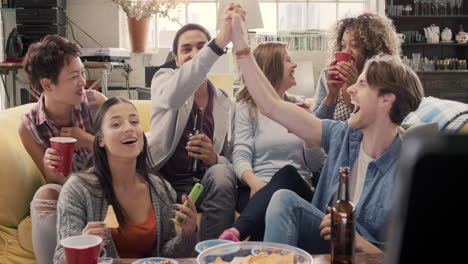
(65, 147)
(341, 56)
(82, 249)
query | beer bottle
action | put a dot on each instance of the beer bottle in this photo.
(342, 221)
(195, 164)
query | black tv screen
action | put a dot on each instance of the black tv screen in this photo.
(429, 221)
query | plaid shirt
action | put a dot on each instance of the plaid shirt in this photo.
(43, 128)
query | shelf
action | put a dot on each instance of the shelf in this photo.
(442, 72)
(435, 44)
(441, 16)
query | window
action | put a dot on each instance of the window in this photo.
(278, 15)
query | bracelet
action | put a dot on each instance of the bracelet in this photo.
(241, 53)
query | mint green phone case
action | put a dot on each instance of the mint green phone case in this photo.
(193, 195)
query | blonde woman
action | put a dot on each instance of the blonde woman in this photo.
(363, 37)
(266, 156)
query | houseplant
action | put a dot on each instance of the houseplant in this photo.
(139, 13)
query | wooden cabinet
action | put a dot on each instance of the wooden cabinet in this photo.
(447, 84)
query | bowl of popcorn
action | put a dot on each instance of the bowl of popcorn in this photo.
(254, 253)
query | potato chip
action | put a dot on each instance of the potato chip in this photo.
(111, 219)
(261, 258)
(218, 260)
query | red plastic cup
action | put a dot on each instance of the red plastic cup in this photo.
(341, 56)
(65, 147)
(82, 249)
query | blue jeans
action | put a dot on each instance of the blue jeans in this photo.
(292, 220)
(252, 219)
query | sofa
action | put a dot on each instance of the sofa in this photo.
(19, 180)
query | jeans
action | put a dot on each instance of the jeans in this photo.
(292, 220)
(252, 220)
(44, 222)
(218, 200)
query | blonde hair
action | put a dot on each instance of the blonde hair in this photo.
(390, 75)
(375, 33)
(270, 58)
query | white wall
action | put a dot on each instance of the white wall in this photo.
(104, 28)
(99, 18)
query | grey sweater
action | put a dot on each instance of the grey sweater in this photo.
(78, 205)
(172, 97)
(264, 147)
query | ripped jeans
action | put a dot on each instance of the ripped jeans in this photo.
(44, 222)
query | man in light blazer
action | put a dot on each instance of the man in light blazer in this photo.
(176, 95)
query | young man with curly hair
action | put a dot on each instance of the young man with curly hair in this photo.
(363, 37)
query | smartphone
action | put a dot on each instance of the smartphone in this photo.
(193, 195)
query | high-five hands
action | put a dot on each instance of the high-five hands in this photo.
(225, 33)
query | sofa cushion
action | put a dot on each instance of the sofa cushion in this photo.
(10, 249)
(450, 115)
(143, 107)
(25, 235)
(20, 178)
(421, 130)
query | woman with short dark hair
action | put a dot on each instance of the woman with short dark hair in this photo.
(65, 108)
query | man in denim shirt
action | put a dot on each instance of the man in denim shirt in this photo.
(369, 144)
(385, 92)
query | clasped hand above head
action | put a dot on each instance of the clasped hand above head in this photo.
(232, 28)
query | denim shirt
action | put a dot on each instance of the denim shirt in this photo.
(341, 143)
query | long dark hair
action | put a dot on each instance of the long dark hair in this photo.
(101, 164)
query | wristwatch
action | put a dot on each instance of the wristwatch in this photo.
(216, 49)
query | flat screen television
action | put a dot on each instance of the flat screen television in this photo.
(429, 220)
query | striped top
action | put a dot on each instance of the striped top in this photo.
(42, 128)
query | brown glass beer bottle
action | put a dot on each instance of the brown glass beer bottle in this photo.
(342, 220)
(195, 164)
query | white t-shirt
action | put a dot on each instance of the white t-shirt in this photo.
(358, 175)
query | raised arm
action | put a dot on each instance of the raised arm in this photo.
(323, 110)
(298, 121)
(171, 88)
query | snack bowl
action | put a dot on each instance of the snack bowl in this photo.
(155, 259)
(203, 245)
(234, 252)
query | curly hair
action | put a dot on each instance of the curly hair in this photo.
(375, 33)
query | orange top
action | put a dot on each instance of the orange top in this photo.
(136, 240)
